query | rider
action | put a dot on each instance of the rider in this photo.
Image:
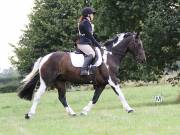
(86, 40)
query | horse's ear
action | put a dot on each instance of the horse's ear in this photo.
(137, 35)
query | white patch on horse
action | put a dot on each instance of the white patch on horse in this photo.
(78, 59)
(42, 87)
(33, 72)
(120, 95)
(37, 96)
(87, 108)
(120, 38)
(38, 64)
(44, 59)
(70, 111)
(105, 57)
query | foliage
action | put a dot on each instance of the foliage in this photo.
(119, 16)
(161, 35)
(9, 80)
(9, 86)
(159, 24)
(53, 27)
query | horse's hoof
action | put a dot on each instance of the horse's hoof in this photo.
(73, 115)
(27, 116)
(83, 113)
(130, 111)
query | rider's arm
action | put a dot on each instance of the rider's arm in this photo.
(87, 30)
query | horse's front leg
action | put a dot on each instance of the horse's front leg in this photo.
(97, 93)
(118, 91)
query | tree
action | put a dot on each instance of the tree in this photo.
(52, 27)
(161, 35)
(157, 20)
(115, 16)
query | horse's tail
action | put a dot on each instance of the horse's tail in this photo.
(30, 81)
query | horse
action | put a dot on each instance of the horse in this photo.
(55, 69)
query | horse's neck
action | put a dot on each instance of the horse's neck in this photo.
(116, 60)
(118, 53)
(112, 61)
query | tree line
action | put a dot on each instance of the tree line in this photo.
(9, 80)
(53, 27)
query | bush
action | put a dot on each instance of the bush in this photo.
(9, 84)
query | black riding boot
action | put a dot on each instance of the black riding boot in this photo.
(87, 61)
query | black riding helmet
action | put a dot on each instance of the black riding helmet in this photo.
(88, 10)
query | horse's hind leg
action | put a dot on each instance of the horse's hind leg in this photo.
(36, 99)
(62, 97)
(97, 93)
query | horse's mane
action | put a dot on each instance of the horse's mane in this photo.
(115, 39)
(110, 41)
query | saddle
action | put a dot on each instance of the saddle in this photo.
(77, 58)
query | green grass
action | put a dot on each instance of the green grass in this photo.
(106, 118)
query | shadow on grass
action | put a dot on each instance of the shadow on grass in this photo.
(136, 105)
(156, 104)
(6, 107)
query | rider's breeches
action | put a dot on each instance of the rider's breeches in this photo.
(87, 49)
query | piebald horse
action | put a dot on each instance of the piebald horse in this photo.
(55, 69)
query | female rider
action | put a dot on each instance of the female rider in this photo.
(86, 41)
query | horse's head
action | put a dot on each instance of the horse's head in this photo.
(125, 42)
(135, 46)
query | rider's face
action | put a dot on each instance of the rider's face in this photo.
(91, 16)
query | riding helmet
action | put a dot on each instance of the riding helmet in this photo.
(88, 10)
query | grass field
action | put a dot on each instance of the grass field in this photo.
(106, 118)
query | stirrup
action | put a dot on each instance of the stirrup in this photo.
(84, 71)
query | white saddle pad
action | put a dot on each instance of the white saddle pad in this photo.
(78, 59)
